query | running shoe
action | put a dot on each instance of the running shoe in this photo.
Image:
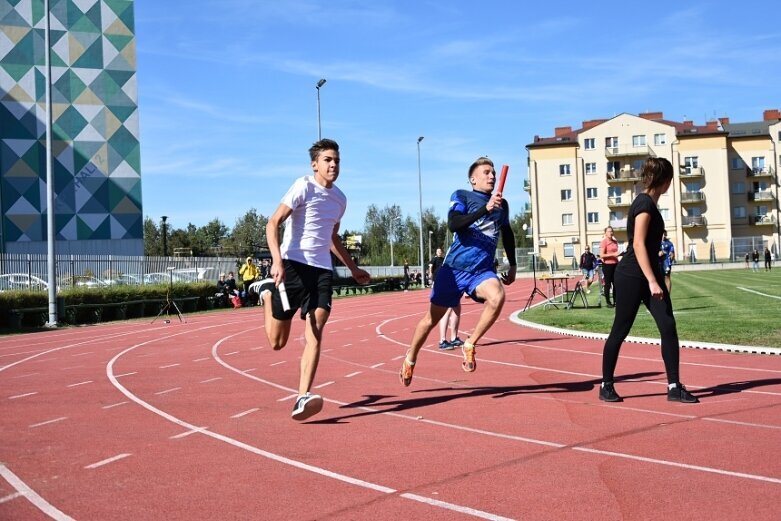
(307, 405)
(446, 346)
(607, 393)
(469, 364)
(680, 394)
(457, 342)
(405, 375)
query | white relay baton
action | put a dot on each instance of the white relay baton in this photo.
(283, 296)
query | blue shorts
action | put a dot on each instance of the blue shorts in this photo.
(451, 284)
(587, 273)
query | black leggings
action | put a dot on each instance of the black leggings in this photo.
(609, 272)
(630, 292)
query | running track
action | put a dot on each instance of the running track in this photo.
(190, 421)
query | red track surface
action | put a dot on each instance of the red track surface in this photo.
(192, 421)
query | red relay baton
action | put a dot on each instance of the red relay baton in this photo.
(503, 177)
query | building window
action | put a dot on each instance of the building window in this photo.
(638, 141)
(665, 213)
(739, 187)
(660, 139)
(592, 193)
(569, 249)
(611, 142)
(589, 144)
(637, 165)
(593, 217)
(693, 186)
(739, 212)
(694, 211)
(591, 168)
(757, 164)
(564, 170)
(736, 163)
(691, 162)
(760, 211)
(566, 219)
(566, 195)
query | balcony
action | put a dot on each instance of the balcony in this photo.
(618, 224)
(526, 208)
(766, 171)
(618, 201)
(692, 221)
(762, 220)
(629, 151)
(626, 175)
(762, 196)
(692, 171)
(527, 186)
(692, 197)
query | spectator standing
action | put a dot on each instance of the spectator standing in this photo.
(666, 259)
(768, 259)
(588, 266)
(249, 273)
(755, 260)
(608, 252)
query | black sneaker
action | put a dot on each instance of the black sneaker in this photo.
(446, 346)
(680, 394)
(457, 342)
(307, 405)
(607, 393)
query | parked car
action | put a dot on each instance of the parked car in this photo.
(22, 281)
(123, 280)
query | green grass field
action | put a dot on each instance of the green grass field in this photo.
(725, 306)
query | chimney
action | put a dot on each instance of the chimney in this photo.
(563, 131)
(688, 123)
(724, 121)
(712, 125)
(652, 115)
(592, 123)
(771, 115)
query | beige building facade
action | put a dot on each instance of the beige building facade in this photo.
(723, 201)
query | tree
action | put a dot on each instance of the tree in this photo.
(248, 235)
(153, 241)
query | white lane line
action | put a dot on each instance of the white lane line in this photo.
(26, 375)
(327, 350)
(758, 293)
(395, 358)
(168, 391)
(232, 353)
(9, 497)
(25, 395)
(356, 373)
(324, 385)
(187, 433)
(211, 380)
(256, 348)
(126, 374)
(250, 370)
(456, 508)
(277, 363)
(200, 359)
(82, 354)
(71, 368)
(288, 397)
(375, 366)
(80, 383)
(32, 496)
(745, 424)
(114, 405)
(167, 366)
(245, 413)
(48, 422)
(347, 345)
(107, 461)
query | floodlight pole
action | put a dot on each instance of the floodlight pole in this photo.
(420, 202)
(51, 233)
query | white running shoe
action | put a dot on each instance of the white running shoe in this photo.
(306, 406)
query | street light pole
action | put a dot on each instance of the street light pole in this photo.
(319, 84)
(392, 234)
(165, 236)
(51, 233)
(420, 202)
(430, 232)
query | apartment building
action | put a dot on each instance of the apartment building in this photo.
(722, 203)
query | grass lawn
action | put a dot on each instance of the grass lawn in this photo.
(726, 306)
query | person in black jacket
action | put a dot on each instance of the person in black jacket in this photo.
(588, 265)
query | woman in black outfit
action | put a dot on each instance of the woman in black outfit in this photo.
(639, 279)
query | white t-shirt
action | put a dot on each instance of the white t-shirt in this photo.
(308, 230)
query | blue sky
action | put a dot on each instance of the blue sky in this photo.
(229, 107)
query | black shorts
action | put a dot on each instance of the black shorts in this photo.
(307, 288)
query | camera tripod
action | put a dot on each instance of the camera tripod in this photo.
(169, 303)
(536, 290)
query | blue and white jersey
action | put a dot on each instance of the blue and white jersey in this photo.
(474, 249)
(668, 249)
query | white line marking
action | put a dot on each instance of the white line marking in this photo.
(758, 293)
(168, 390)
(126, 374)
(187, 433)
(375, 366)
(456, 508)
(22, 395)
(10, 497)
(347, 345)
(288, 397)
(32, 496)
(114, 405)
(82, 354)
(256, 348)
(107, 461)
(167, 366)
(232, 353)
(353, 374)
(397, 358)
(245, 413)
(745, 424)
(26, 375)
(80, 383)
(211, 380)
(200, 359)
(250, 369)
(324, 385)
(277, 363)
(48, 422)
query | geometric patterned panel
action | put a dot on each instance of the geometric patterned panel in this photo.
(95, 146)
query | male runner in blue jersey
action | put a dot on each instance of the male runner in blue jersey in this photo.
(478, 219)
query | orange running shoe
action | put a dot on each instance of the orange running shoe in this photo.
(405, 375)
(469, 364)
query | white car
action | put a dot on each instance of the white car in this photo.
(22, 281)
